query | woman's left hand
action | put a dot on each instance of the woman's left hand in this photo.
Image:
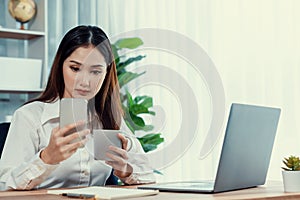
(119, 160)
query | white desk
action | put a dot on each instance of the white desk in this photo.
(273, 190)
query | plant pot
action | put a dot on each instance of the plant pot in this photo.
(291, 181)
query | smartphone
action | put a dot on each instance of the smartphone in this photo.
(71, 111)
(102, 139)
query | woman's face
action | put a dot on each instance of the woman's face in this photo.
(84, 72)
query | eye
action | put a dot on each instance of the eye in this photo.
(97, 72)
(74, 69)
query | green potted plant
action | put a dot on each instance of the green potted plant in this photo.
(291, 174)
(135, 108)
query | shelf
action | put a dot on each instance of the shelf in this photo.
(21, 90)
(19, 34)
(21, 82)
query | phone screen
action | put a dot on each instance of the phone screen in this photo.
(102, 140)
(73, 110)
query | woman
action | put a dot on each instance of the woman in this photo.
(37, 154)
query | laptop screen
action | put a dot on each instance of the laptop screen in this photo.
(247, 147)
(246, 152)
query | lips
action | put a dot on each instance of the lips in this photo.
(82, 92)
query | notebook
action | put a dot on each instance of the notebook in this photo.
(98, 192)
(245, 154)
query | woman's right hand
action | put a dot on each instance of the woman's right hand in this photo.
(61, 147)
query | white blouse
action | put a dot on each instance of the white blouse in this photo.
(29, 133)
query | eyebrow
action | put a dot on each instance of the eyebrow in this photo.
(79, 63)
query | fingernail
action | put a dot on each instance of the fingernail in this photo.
(82, 121)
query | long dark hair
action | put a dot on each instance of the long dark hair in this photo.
(106, 103)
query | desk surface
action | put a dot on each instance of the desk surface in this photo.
(272, 190)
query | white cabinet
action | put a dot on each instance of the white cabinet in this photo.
(23, 58)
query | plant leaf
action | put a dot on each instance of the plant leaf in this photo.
(145, 101)
(157, 172)
(151, 141)
(147, 128)
(138, 121)
(126, 77)
(129, 99)
(138, 109)
(121, 66)
(129, 126)
(139, 98)
(151, 112)
(153, 138)
(116, 55)
(129, 43)
(149, 147)
(292, 163)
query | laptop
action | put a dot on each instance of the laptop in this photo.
(245, 154)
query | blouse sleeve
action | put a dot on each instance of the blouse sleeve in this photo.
(137, 158)
(20, 165)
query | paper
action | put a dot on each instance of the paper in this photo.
(106, 192)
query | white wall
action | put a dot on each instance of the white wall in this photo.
(254, 45)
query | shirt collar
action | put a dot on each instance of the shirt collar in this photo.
(51, 111)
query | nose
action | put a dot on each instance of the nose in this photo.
(84, 79)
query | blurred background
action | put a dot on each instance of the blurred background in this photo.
(253, 44)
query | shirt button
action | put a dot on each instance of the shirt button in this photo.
(85, 172)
